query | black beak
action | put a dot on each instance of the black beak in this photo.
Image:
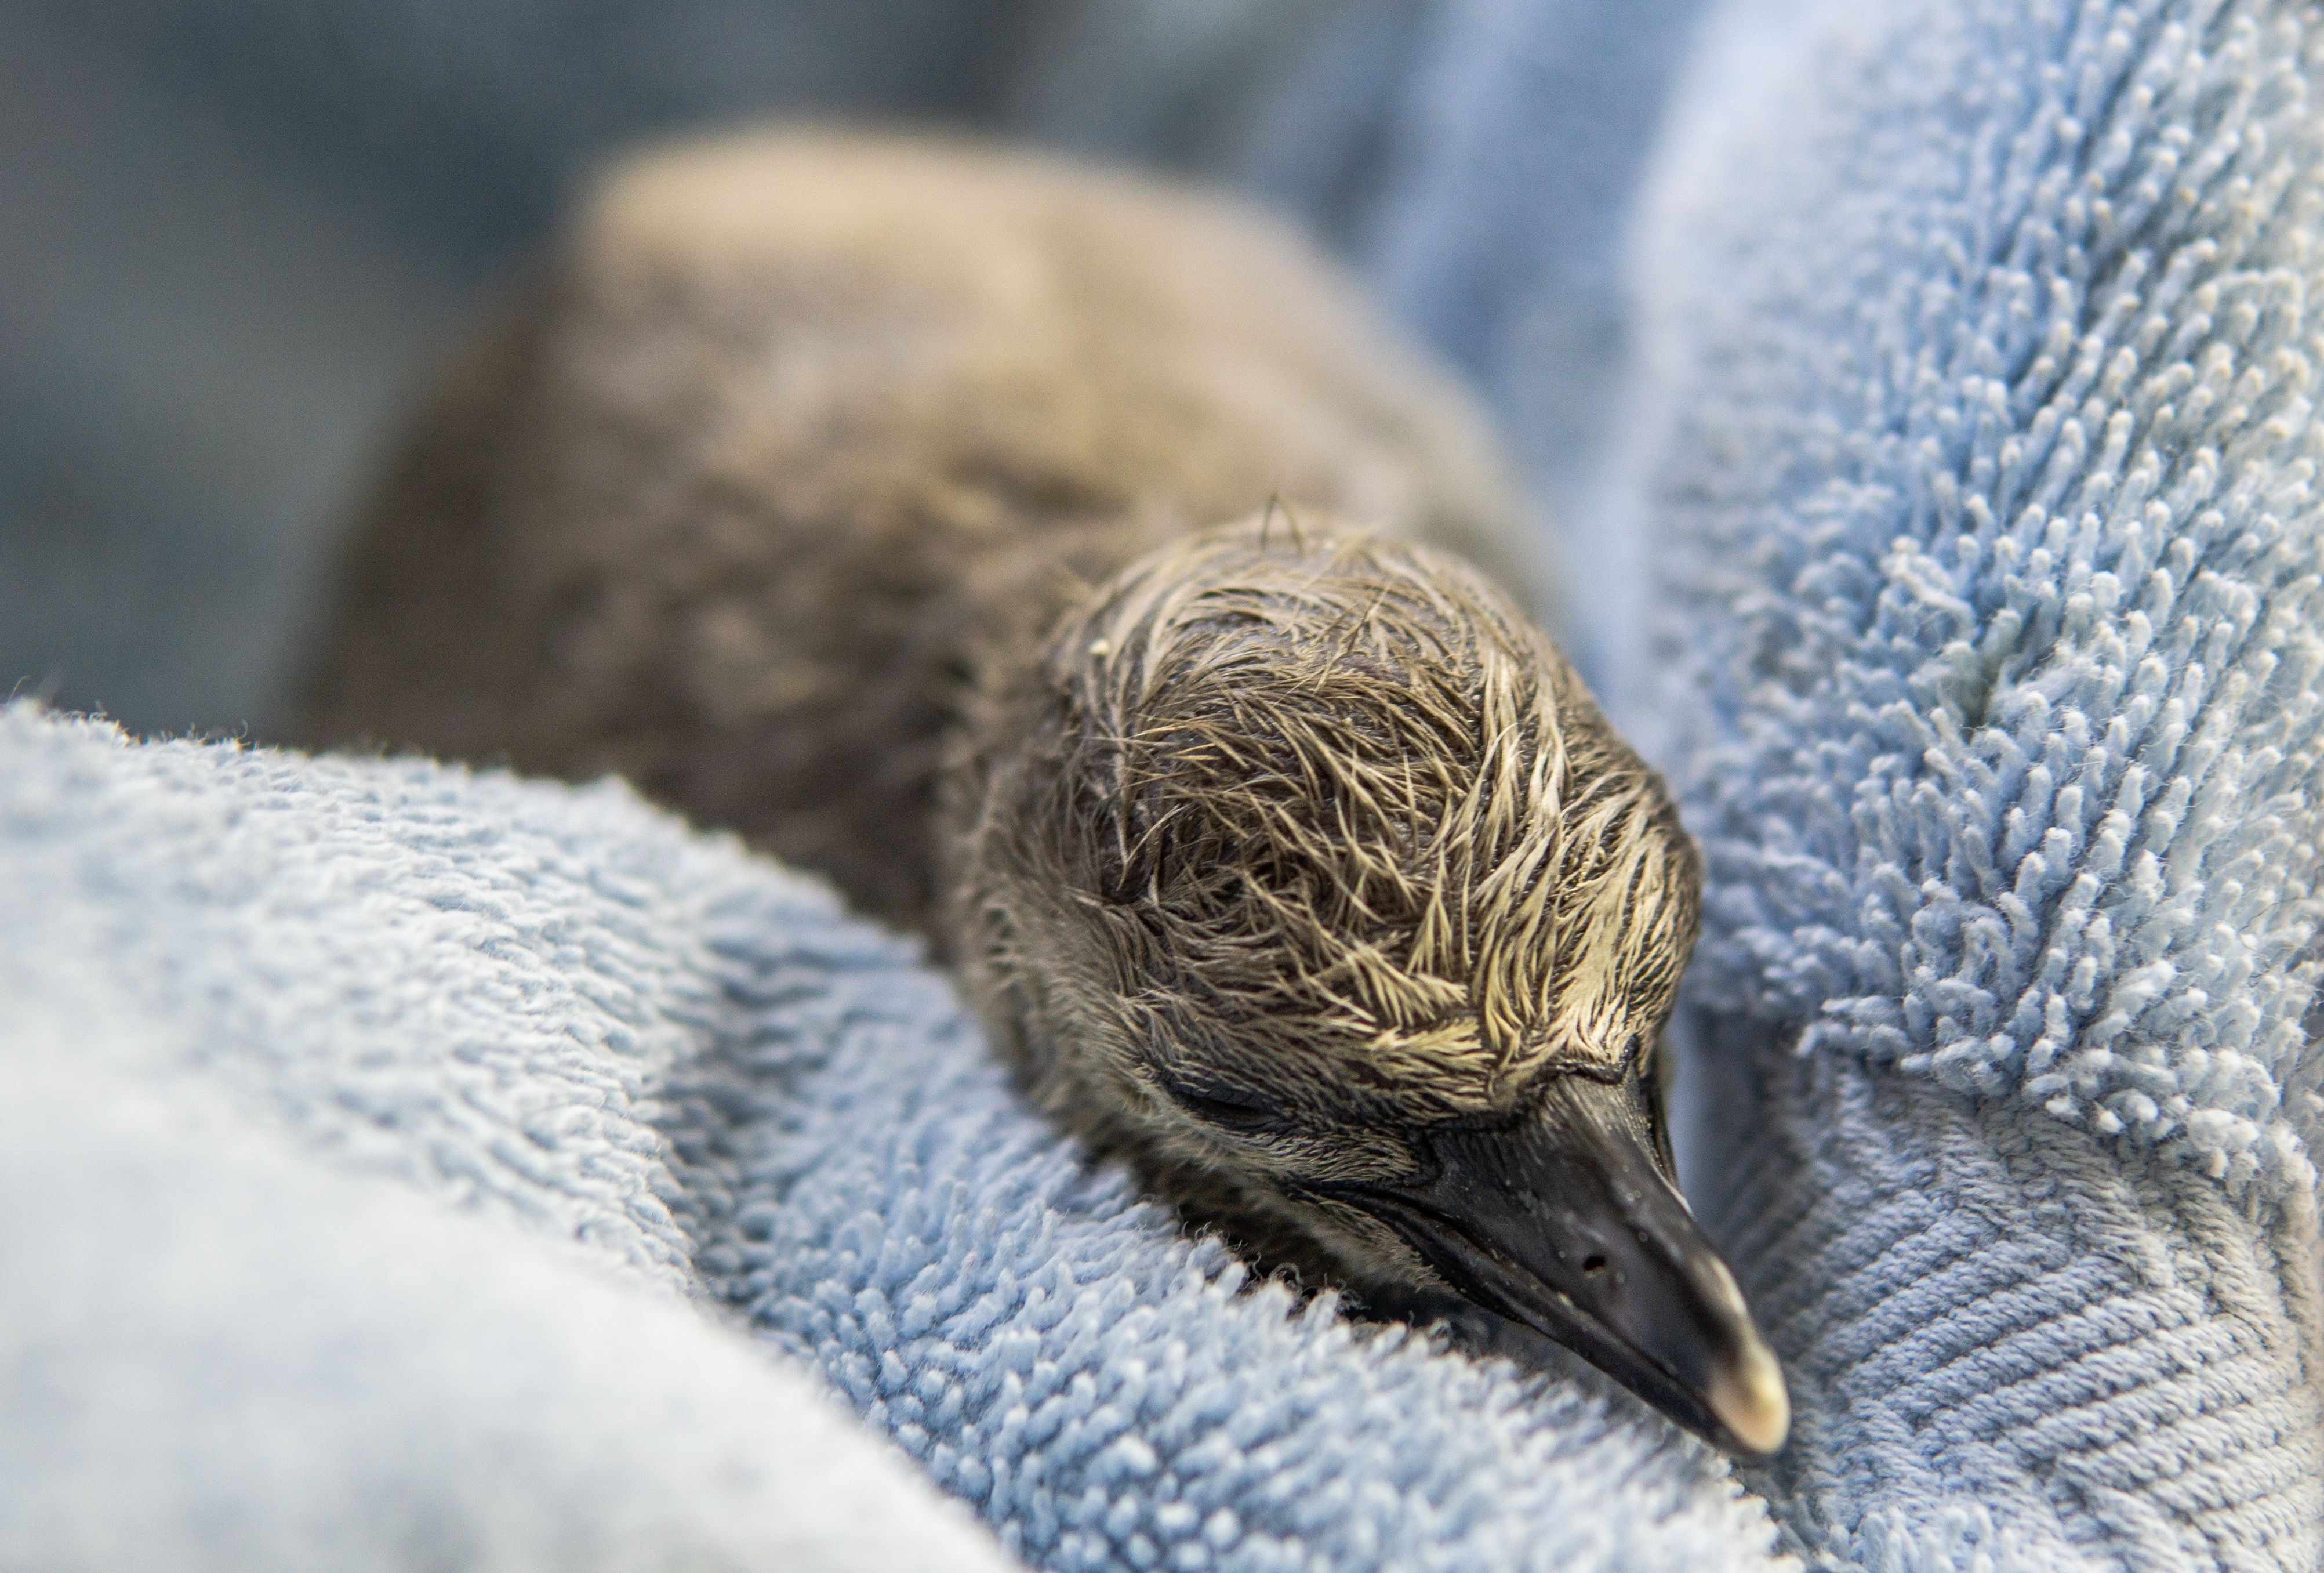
(1568, 1222)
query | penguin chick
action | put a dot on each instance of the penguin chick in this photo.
(1305, 866)
(876, 500)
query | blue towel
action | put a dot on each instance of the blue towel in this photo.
(1968, 438)
(1976, 441)
(393, 1003)
(331, 1236)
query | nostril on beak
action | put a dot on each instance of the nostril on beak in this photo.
(1593, 1264)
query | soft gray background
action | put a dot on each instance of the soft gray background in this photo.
(234, 229)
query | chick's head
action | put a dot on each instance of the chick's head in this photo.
(1301, 861)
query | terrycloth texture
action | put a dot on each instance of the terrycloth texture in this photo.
(370, 1103)
(216, 1354)
(235, 1010)
(1978, 444)
(1977, 462)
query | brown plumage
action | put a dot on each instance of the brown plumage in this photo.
(728, 495)
(1320, 820)
(1075, 569)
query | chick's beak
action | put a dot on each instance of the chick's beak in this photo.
(1568, 1222)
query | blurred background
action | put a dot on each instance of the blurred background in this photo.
(233, 232)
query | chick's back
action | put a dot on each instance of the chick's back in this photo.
(733, 494)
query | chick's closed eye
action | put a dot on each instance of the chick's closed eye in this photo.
(1228, 1108)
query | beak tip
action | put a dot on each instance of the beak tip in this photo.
(1751, 1401)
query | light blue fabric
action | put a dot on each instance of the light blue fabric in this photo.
(331, 1234)
(1955, 544)
(658, 1068)
(1977, 446)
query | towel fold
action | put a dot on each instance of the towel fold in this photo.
(437, 1167)
(530, 1144)
(1977, 441)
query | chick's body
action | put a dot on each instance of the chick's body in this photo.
(791, 428)
(881, 502)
